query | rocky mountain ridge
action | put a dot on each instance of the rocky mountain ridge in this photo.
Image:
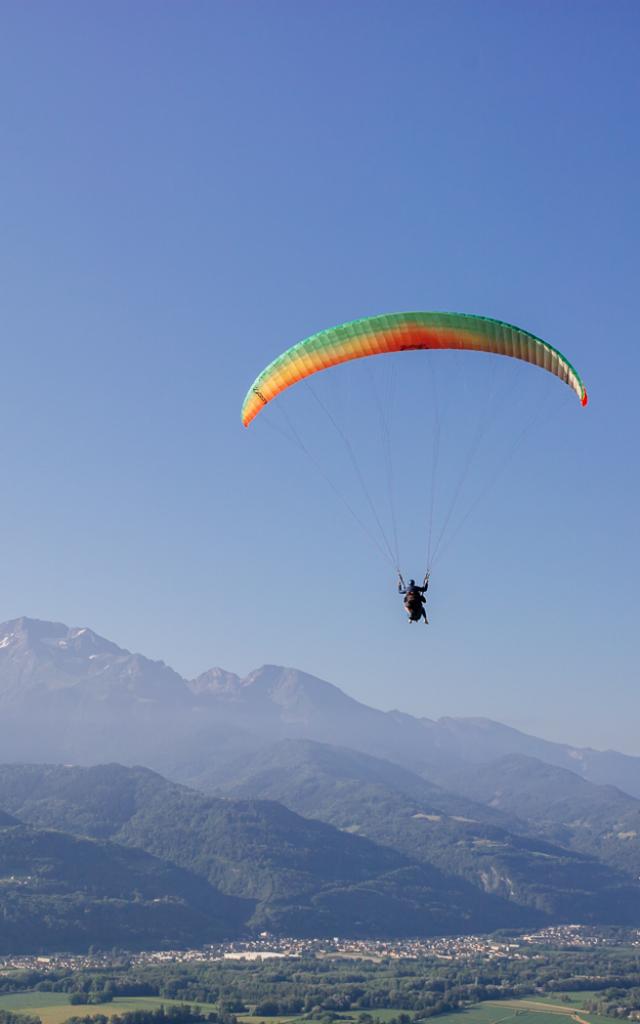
(69, 695)
(319, 814)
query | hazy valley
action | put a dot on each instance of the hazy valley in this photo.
(139, 808)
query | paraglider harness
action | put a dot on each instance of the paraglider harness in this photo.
(414, 600)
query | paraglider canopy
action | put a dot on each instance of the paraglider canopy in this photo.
(399, 332)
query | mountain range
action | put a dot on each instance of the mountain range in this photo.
(277, 801)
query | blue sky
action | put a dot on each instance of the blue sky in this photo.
(186, 189)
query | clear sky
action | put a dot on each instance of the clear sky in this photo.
(188, 188)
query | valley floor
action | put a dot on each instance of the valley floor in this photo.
(54, 1008)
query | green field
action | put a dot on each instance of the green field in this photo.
(534, 1010)
(346, 1017)
(575, 999)
(382, 1015)
(492, 1013)
(249, 1018)
(557, 1009)
(54, 1007)
(33, 1000)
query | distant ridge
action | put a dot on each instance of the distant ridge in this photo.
(228, 858)
(67, 694)
(320, 814)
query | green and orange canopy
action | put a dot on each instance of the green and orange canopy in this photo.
(400, 332)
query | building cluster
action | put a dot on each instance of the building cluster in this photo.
(581, 936)
(459, 947)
